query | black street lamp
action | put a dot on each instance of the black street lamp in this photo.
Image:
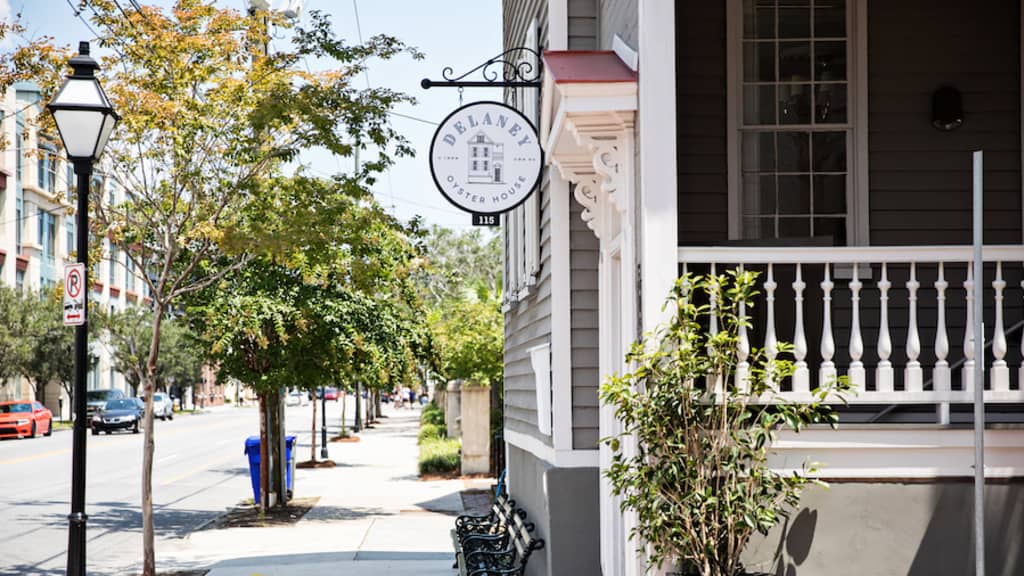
(85, 120)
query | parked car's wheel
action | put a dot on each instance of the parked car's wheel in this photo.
(107, 432)
(95, 432)
(49, 427)
(170, 415)
(135, 428)
(33, 433)
(162, 418)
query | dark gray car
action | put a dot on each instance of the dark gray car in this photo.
(120, 414)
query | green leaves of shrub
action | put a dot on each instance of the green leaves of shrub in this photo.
(440, 456)
(692, 458)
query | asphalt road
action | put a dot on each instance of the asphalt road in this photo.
(199, 470)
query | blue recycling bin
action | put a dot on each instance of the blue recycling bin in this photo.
(252, 450)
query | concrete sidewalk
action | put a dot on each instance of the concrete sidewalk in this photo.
(374, 516)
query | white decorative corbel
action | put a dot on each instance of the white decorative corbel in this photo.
(599, 173)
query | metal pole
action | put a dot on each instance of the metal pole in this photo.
(323, 423)
(359, 417)
(979, 375)
(77, 519)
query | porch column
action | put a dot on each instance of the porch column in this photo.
(657, 212)
(657, 228)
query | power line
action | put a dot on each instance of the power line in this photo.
(408, 117)
(78, 14)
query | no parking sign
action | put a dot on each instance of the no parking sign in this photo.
(74, 294)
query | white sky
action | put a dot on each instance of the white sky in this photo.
(456, 33)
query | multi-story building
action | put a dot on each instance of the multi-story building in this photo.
(37, 234)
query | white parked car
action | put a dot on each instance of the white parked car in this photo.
(296, 399)
(163, 406)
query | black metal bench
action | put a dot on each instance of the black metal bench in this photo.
(486, 527)
(504, 556)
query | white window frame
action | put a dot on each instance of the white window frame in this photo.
(522, 224)
(857, 191)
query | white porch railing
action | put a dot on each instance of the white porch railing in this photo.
(927, 378)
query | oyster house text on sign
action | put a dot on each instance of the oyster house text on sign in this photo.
(485, 158)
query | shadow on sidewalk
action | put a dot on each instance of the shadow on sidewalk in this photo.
(333, 558)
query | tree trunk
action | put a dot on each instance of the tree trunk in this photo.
(312, 449)
(344, 400)
(376, 403)
(277, 471)
(148, 545)
(264, 502)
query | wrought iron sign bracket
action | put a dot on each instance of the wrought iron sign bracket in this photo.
(520, 68)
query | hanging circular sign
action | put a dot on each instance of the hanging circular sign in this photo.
(485, 158)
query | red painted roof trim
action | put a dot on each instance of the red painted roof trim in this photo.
(587, 67)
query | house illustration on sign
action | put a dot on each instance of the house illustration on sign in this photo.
(485, 160)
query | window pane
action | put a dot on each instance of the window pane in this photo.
(794, 152)
(758, 195)
(834, 227)
(758, 105)
(829, 151)
(759, 152)
(830, 104)
(794, 61)
(759, 19)
(830, 194)
(829, 61)
(795, 19)
(758, 228)
(759, 61)
(794, 194)
(795, 104)
(794, 227)
(830, 18)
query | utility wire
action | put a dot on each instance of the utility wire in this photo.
(78, 14)
(408, 117)
(126, 17)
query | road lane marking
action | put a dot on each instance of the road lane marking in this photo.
(36, 456)
(166, 458)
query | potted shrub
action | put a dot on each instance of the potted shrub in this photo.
(697, 475)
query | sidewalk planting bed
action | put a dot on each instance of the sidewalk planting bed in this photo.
(251, 517)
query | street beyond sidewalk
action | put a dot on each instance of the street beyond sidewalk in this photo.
(374, 516)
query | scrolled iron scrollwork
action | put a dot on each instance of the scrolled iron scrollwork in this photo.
(519, 66)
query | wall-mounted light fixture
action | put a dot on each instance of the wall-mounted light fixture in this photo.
(947, 108)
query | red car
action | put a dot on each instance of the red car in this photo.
(22, 418)
(330, 393)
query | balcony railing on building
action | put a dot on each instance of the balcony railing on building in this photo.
(897, 321)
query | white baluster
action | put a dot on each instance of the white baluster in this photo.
(801, 376)
(714, 380)
(1000, 378)
(941, 378)
(1020, 373)
(967, 372)
(742, 350)
(771, 344)
(858, 379)
(827, 371)
(913, 376)
(883, 373)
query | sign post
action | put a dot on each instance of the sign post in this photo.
(74, 294)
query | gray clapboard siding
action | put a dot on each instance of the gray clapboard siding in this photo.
(920, 178)
(582, 24)
(527, 323)
(702, 157)
(619, 17)
(583, 258)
